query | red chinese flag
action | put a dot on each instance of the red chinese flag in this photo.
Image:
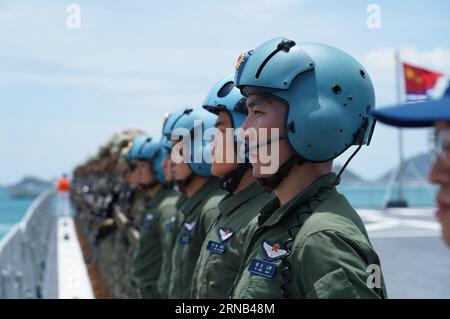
(419, 81)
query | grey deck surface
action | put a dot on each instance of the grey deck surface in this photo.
(414, 260)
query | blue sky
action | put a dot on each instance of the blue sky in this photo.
(66, 91)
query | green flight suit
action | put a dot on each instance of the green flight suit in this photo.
(104, 248)
(195, 217)
(217, 265)
(328, 256)
(137, 209)
(148, 257)
(168, 212)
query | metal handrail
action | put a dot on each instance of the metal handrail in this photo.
(23, 251)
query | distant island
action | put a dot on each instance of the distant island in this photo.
(416, 169)
(28, 187)
(348, 176)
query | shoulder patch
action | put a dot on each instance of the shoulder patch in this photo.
(225, 234)
(189, 226)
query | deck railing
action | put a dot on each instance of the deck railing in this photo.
(40, 256)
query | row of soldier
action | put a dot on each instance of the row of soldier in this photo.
(166, 228)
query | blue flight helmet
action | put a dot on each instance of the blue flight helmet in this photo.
(136, 146)
(225, 96)
(329, 94)
(194, 122)
(169, 121)
(166, 144)
(153, 152)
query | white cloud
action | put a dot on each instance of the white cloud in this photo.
(436, 59)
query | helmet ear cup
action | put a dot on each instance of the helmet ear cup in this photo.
(322, 131)
(325, 122)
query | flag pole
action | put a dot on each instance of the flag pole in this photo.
(400, 202)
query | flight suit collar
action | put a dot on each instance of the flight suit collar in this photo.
(232, 201)
(191, 203)
(181, 200)
(159, 196)
(271, 213)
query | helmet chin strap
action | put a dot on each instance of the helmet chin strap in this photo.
(146, 187)
(169, 184)
(270, 183)
(230, 181)
(183, 183)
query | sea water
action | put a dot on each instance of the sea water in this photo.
(11, 210)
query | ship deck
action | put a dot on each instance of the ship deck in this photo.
(414, 260)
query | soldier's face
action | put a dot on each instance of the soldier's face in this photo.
(180, 169)
(104, 163)
(133, 180)
(166, 166)
(121, 167)
(267, 117)
(224, 159)
(440, 175)
(145, 175)
(112, 163)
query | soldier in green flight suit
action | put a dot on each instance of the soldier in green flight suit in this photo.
(136, 208)
(124, 195)
(314, 102)
(149, 256)
(192, 172)
(104, 226)
(168, 213)
(218, 264)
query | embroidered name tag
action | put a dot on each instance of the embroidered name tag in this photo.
(215, 247)
(184, 239)
(262, 268)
